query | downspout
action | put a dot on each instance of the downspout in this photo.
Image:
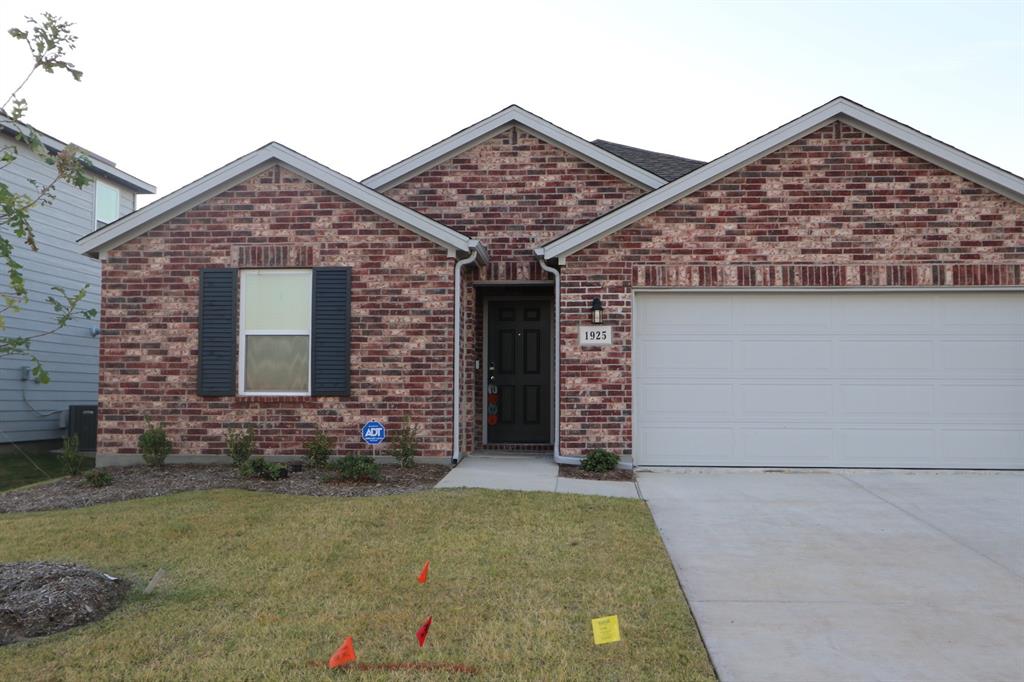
(474, 255)
(557, 357)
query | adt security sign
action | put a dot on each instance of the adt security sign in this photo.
(373, 433)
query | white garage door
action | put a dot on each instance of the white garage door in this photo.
(878, 379)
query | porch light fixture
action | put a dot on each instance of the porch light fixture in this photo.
(596, 310)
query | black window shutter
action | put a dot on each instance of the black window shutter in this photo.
(218, 341)
(332, 315)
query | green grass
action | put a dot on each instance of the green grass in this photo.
(16, 470)
(265, 586)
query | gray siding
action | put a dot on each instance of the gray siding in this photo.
(30, 411)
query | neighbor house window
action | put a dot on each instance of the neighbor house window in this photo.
(275, 332)
(108, 204)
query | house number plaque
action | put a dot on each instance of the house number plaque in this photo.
(595, 335)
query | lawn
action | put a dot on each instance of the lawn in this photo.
(17, 470)
(265, 586)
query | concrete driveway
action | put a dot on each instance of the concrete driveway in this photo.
(850, 575)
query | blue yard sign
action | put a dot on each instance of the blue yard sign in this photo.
(373, 433)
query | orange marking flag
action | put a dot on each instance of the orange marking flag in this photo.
(345, 654)
(424, 572)
(421, 634)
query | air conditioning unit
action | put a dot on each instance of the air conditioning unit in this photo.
(82, 421)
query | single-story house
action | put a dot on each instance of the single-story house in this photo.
(841, 291)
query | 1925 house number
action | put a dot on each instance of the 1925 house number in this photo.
(594, 335)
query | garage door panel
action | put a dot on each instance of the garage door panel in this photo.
(885, 354)
(853, 379)
(786, 354)
(674, 401)
(886, 401)
(774, 400)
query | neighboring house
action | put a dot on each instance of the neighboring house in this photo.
(843, 291)
(30, 411)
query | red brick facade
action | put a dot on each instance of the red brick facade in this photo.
(401, 307)
(836, 208)
(513, 192)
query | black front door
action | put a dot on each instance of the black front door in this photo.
(519, 371)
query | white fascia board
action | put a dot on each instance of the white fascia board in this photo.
(179, 201)
(841, 109)
(97, 164)
(513, 115)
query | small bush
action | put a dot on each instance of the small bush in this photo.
(407, 444)
(600, 460)
(319, 450)
(154, 444)
(70, 457)
(98, 478)
(257, 467)
(354, 468)
(240, 445)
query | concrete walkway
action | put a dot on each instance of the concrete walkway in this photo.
(850, 575)
(527, 472)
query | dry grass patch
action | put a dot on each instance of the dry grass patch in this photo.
(264, 586)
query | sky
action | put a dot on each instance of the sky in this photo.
(174, 90)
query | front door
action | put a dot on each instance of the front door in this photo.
(519, 371)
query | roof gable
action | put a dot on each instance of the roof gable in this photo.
(504, 119)
(839, 109)
(179, 201)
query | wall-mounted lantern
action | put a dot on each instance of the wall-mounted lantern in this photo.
(596, 310)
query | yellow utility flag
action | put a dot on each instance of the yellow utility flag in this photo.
(606, 630)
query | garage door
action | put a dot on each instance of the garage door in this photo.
(878, 379)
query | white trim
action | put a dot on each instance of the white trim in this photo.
(179, 201)
(839, 109)
(243, 334)
(967, 289)
(492, 125)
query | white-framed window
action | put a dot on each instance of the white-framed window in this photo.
(108, 204)
(275, 330)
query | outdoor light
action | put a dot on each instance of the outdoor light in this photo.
(595, 310)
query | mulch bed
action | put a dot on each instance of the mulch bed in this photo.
(40, 598)
(570, 471)
(134, 482)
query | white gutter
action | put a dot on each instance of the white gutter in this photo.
(557, 357)
(476, 252)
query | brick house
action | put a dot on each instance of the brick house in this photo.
(842, 291)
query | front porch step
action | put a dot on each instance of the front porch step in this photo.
(525, 448)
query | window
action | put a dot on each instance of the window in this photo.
(108, 204)
(275, 332)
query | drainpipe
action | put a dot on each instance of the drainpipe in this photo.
(475, 253)
(557, 350)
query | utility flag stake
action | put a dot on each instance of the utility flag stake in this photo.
(345, 654)
(423, 574)
(421, 634)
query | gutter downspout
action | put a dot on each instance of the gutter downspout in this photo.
(557, 352)
(474, 255)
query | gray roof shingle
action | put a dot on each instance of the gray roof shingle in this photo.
(667, 166)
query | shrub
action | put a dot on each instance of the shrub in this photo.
(600, 460)
(354, 468)
(257, 467)
(98, 478)
(70, 457)
(154, 444)
(319, 450)
(240, 445)
(407, 444)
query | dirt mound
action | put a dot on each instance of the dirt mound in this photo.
(40, 598)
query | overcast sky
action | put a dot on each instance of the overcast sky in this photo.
(174, 90)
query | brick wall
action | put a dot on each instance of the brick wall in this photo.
(836, 208)
(514, 192)
(402, 299)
